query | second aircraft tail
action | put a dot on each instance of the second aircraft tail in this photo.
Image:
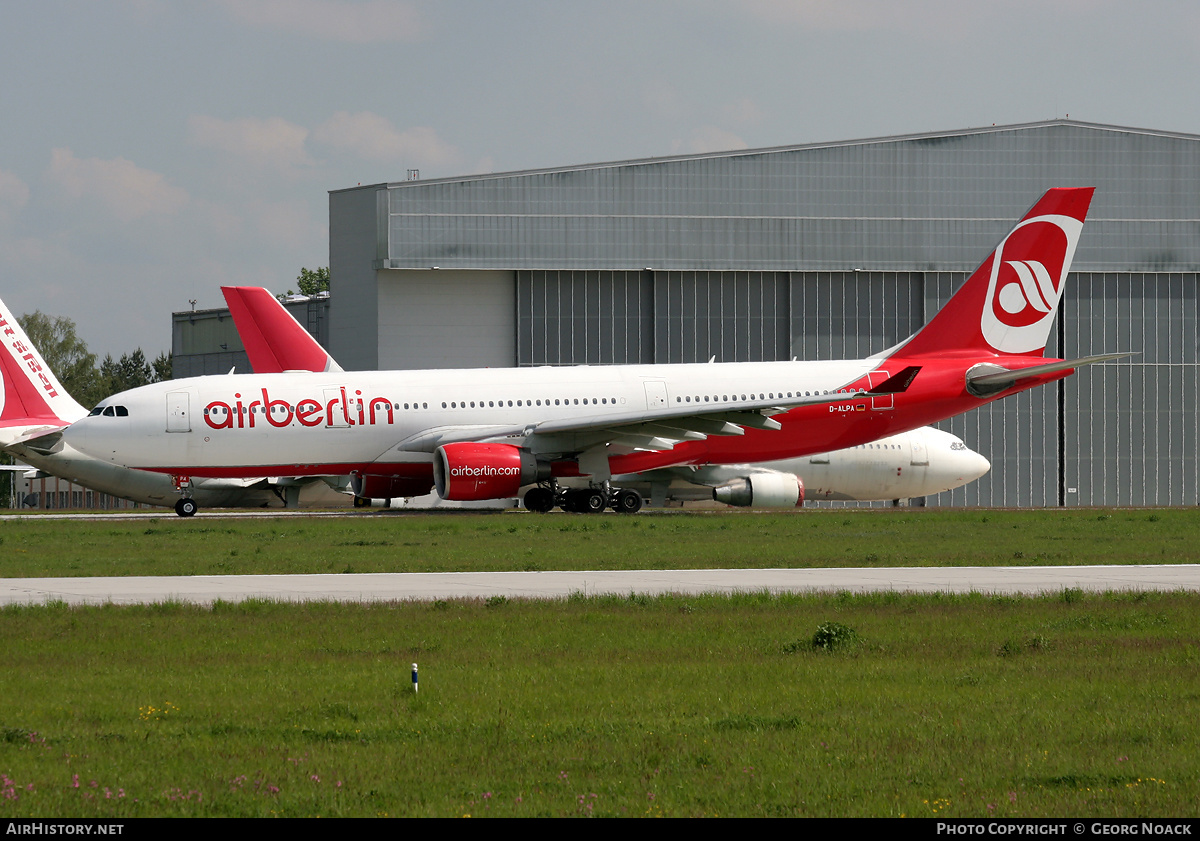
(31, 396)
(274, 340)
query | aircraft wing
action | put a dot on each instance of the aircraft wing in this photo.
(653, 429)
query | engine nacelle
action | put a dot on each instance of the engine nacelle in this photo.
(371, 486)
(469, 471)
(763, 490)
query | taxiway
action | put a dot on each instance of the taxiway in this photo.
(374, 587)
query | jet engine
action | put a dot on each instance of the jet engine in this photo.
(763, 490)
(468, 471)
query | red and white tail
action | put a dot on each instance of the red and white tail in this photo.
(32, 396)
(1007, 306)
(274, 340)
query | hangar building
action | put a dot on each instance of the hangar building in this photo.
(816, 251)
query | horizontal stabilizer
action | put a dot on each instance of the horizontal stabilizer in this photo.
(41, 438)
(987, 379)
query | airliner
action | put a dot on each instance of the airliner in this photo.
(919, 463)
(484, 434)
(55, 457)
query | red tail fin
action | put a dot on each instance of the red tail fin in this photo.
(31, 395)
(1008, 305)
(274, 340)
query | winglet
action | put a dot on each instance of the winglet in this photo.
(274, 340)
(897, 383)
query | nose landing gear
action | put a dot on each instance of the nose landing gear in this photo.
(185, 506)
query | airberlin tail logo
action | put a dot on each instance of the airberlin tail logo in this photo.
(1030, 296)
(1027, 274)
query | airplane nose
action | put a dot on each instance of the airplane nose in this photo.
(81, 435)
(974, 465)
(955, 468)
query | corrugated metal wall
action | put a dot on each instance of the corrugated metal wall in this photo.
(840, 250)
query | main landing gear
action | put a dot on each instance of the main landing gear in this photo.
(591, 500)
(185, 506)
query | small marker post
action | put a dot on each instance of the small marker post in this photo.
(414, 678)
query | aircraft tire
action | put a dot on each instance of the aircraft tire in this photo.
(592, 502)
(539, 500)
(186, 507)
(362, 502)
(628, 501)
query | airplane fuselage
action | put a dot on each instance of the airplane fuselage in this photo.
(300, 424)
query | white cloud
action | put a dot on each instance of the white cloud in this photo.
(14, 195)
(129, 191)
(333, 20)
(374, 137)
(709, 139)
(270, 142)
(662, 99)
(744, 111)
(287, 226)
(865, 15)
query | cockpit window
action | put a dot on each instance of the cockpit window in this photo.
(95, 411)
(122, 412)
(110, 412)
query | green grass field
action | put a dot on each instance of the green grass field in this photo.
(1072, 705)
(406, 542)
(946, 706)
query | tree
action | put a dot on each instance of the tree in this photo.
(66, 354)
(68, 357)
(130, 372)
(163, 366)
(311, 282)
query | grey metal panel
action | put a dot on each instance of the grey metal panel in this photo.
(932, 203)
(576, 317)
(353, 245)
(418, 328)
(1131, 425)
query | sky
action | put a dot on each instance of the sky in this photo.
(152, 151)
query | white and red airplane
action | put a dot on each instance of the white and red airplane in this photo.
(483, 434)
(884, 470)
(918, 463)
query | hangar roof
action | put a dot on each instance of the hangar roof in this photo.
(930, 201)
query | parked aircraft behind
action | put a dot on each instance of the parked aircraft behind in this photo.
(483, 434)
(918, 463)
(32, 401)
